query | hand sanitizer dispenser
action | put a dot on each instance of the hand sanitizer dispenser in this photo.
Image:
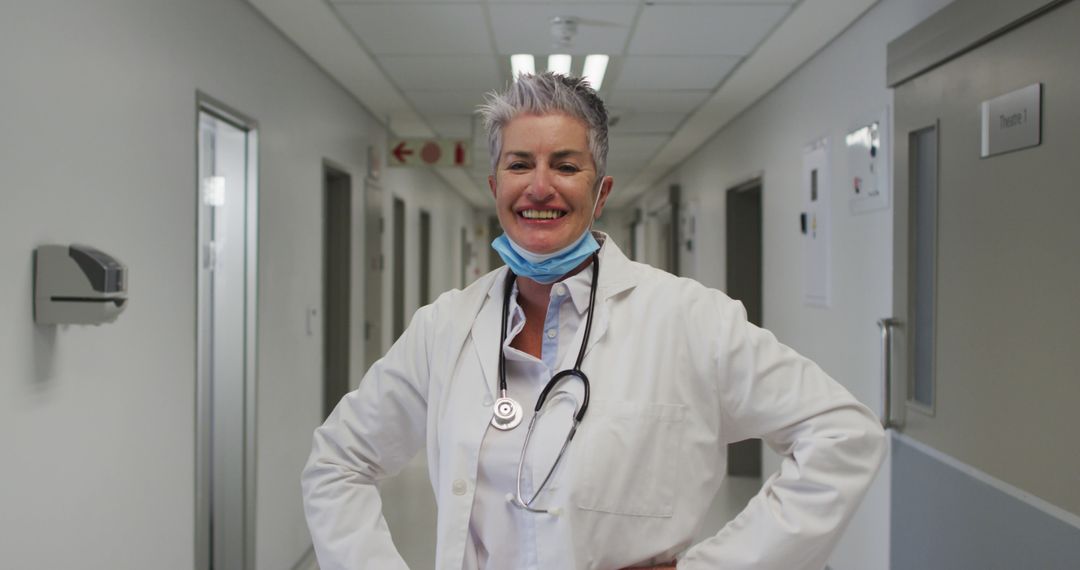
(77, 285)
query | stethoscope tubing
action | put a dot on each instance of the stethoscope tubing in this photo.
(576, 371)
(555, 380)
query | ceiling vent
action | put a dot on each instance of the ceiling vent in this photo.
(563, 30)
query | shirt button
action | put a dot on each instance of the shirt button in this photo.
(552, 332)
(488, 402)
(560, 289)
(459, 487)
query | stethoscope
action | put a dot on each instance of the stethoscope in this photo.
(508, 412)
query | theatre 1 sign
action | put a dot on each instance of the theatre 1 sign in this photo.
(430, 152)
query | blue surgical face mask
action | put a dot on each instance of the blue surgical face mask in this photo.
(548, 267)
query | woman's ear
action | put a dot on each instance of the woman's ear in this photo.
(605, 190)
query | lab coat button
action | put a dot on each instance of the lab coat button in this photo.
(560, 289)
(488, 402)
(552, 333)
(459, 487)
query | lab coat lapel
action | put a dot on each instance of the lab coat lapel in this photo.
(615, 277)
(485, 333)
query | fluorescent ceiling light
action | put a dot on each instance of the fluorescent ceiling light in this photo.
(595, 67)
(522, 63)
(559, 63)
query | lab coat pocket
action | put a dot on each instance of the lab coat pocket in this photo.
(631, 453)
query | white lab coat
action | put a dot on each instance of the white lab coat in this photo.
(676, 371)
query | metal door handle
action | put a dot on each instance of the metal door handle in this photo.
(887, 326)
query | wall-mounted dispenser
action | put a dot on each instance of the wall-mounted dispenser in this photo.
(77, 285)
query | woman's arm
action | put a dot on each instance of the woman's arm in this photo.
(831, 446)
(371, 434)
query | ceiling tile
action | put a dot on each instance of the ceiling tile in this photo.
(722, 1)
(419, 72)
(706, 29)
(673, 72)
(631, 123)
(451, 126)
(564, 2)
(622, 178)
(623, 171)
(635, 146)
(431, 103)
(417, 29)
(526, 28)
(656, 101)
(346, 2)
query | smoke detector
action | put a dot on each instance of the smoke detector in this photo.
(563, 30)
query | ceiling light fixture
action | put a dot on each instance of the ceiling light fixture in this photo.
(595, 67)
(522, 63)
(559, 63)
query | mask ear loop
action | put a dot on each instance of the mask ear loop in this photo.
(599, 186)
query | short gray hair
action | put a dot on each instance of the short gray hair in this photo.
(543, 94)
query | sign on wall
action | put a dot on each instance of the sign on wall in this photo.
(1012, 121)
(868, 166)
(814, 223)
(430, 152)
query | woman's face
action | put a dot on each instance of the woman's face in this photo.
(544, 182)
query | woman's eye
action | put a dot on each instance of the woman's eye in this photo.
(516, 166)
(569, 168)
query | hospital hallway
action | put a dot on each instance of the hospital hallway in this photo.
(218, 214)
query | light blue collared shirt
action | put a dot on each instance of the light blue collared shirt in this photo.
(503, 535)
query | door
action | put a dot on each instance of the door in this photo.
(743, 271)
(638, 237)
(465, 254)
(424, 283)
(399, 265)
(337, 284)
(375, 264)
(986, 459)
(226, 342)
(494, 231)
(662, 232)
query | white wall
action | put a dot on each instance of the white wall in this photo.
(838, 87)
(97, 146)
(420, 189)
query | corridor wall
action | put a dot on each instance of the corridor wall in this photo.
(832, 92)
(97, 146)
(449, 214)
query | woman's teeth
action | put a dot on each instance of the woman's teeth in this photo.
(541, 214)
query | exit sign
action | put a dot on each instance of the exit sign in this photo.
(430, 152)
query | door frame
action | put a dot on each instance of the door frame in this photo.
(203, 391)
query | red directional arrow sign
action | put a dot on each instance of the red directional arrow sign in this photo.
(430, 152)
(459, 154)
(401, 151)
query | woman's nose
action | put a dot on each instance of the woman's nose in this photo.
(541, 186)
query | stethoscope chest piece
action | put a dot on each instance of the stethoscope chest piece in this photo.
(507, 415)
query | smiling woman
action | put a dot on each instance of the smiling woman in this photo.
(650, 374)
(546, 186)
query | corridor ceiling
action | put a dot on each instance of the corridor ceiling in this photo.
(679, 70)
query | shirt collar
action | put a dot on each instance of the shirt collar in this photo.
(579, 286)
